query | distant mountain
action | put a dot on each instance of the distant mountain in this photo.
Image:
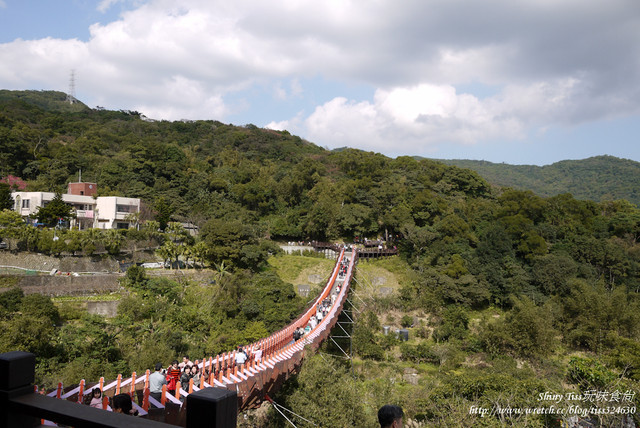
(598, 178)
(46, 100)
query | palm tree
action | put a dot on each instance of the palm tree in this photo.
(176, 231)
(112, 241)
(221, 272)
(134, 218)
(187, 254)
(170, 251)
(90, 239)
(199, 252)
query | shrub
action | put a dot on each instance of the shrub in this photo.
(406, 321)
(421, 353)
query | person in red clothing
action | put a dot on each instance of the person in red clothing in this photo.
(173, 376)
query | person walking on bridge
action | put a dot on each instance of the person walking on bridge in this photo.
(156, 380)
(241, 356)
(257, 354)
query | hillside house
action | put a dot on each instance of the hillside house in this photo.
(101, 212)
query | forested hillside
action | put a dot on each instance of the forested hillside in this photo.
(506, 294)
(599, 178)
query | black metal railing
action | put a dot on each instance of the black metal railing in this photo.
(21, 407)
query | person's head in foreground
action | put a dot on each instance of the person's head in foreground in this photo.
(390, 416)
(122, 404)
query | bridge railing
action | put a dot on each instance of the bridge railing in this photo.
(253, 380)
(23, 407)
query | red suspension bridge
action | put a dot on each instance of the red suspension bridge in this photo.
(252, 381)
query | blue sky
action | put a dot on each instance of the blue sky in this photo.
(527, 82)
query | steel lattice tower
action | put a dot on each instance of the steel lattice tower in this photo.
(71, 94)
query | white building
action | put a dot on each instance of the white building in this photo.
(102, 212)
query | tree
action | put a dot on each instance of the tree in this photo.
(366, 342)
(10, 300)
(10, 219)
(6, 201)
(164, 211)
(321, 222)
(73, 240)
(176, 231)
(465, 181)
(27, 332)
(455, 324)
(552, 272)
(89, 241)
(41, 307)
(112, 241)
(54, 211)
(226, 241)
(151, 227)
(525, 331)
(199, 252)
(28, 236)
(134, 218)
(355, 220)
(170, 251)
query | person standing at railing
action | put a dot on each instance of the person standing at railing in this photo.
(184, 379)
(186, 362)
(173, 376)
(96, 398)
(156, 380)
(195, 375)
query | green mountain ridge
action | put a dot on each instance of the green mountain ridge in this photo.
(597, 178)
(46, 100)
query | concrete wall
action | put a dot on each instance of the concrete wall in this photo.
(44, 263)
(69, 285)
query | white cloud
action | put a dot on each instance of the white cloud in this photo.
(552, 62)
(2, 4)
(279, 126)
(419, 119)
(104, 5)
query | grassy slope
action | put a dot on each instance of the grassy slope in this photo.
(297, 269)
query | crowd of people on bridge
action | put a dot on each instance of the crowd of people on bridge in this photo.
(178, 373)
(187, 370)
(322, 308)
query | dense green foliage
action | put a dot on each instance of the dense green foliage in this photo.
(6, 201)
(158, 319)
(599, 178)
(506, 293)
(204, 170)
